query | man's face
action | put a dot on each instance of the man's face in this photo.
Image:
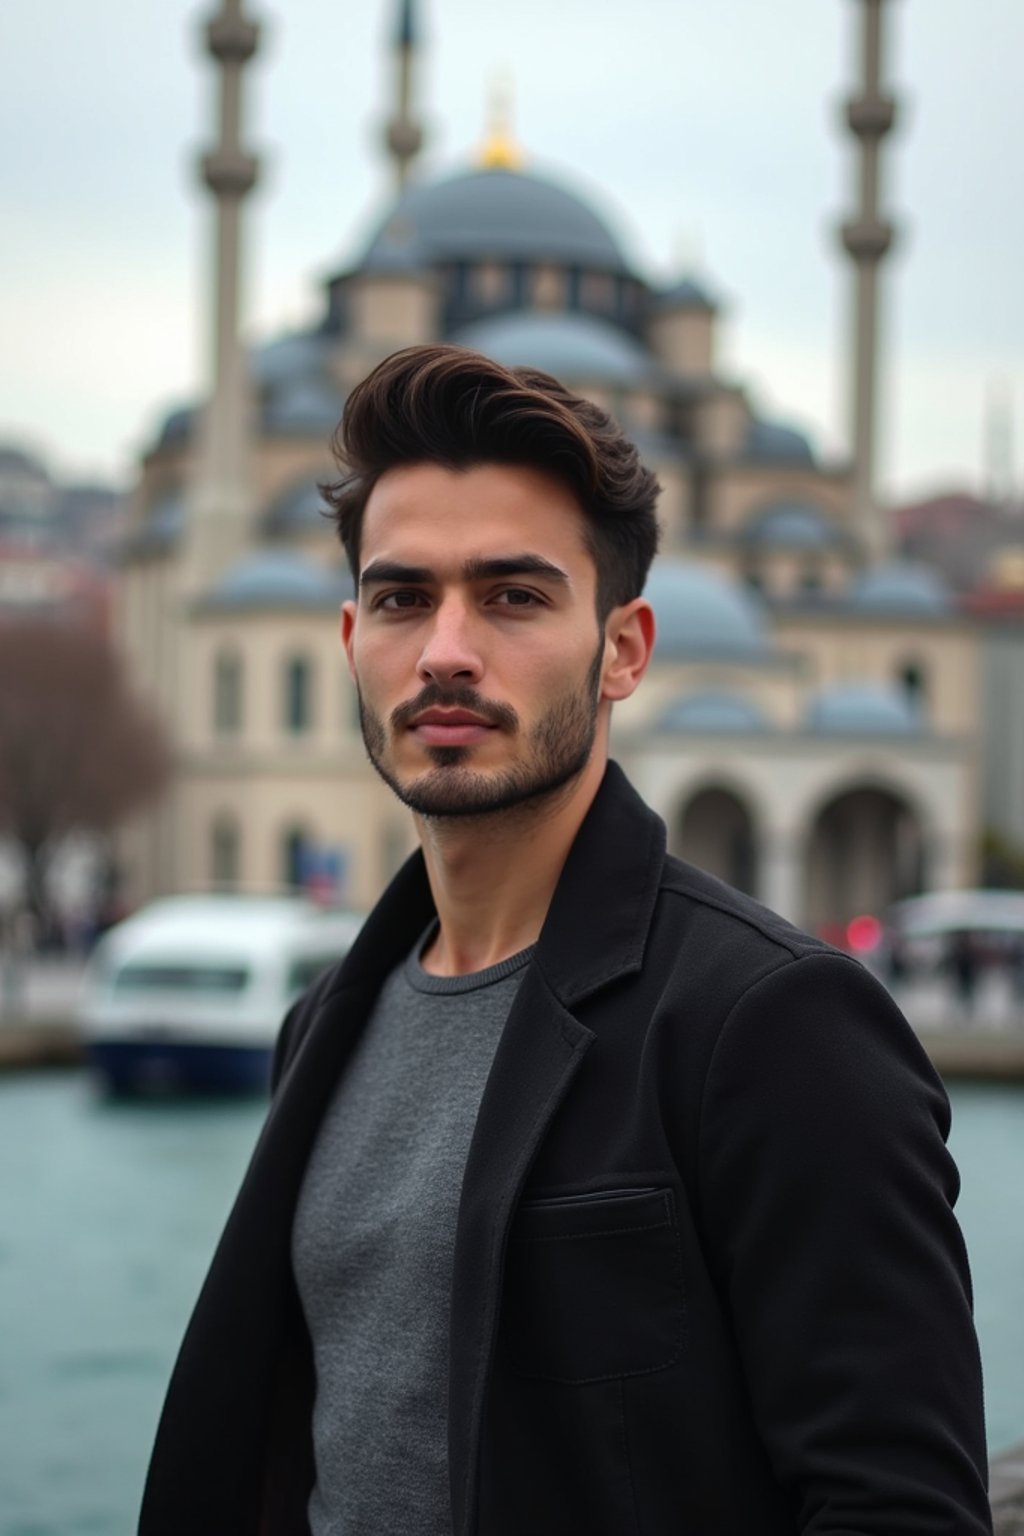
(474, 642)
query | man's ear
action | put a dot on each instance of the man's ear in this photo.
(629, 644)
(348, 629)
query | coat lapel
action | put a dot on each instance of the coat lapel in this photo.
(594, 933)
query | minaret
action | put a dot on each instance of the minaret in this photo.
(404, 136)
(867, 238)
(220, 507)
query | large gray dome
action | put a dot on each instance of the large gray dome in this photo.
(492, 214)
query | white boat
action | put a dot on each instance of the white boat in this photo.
(189, 993)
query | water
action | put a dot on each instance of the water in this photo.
(109, 1213)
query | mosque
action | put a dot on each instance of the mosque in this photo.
(809, 726)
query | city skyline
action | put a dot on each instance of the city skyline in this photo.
(725, 151)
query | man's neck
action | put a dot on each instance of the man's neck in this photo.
(493, 877)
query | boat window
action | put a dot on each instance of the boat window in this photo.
(219, 979)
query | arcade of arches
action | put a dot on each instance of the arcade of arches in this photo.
(864, 849)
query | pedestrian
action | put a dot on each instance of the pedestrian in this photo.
(964, 966)
(593, 1197)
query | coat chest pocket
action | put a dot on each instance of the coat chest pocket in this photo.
(593, 1287)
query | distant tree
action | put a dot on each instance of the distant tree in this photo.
(78, 751)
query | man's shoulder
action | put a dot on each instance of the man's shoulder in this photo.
(720, 930)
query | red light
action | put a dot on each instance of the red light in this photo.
(863, 933)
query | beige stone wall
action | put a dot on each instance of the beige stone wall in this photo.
(720, 422)
(877, 650)
(685, 340)
(736, 491)
(776, 691)
(392, 311)
(333, 804)
(785, 573)
(266, 642)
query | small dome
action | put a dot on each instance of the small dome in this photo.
(298, 509)
(278, 579)
(700, 612)
(863, 709)
(901, 587)
(308, 407)
(288, 358)
(570, 346)
(769, 442)
(710, 712)
(178, 426)
(791, 525)
(491, 214)
(686, 294)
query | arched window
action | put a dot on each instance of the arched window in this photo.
(294, 844)
(298, 695)
(227, 693)
(225, 851)
(913, 679)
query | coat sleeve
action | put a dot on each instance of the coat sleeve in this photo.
(827, 1197)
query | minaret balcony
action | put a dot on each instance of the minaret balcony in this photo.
(232, 39)
(404, 138)
(867, 239)
(871, 117)
(229, 171)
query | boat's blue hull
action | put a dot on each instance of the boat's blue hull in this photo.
(179, 1066)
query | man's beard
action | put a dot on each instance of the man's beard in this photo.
(558, 749)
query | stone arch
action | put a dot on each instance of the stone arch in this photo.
(715, 827)
(865, 846)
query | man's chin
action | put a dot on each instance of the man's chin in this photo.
(452, 790)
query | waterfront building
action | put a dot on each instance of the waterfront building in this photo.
(809, 728)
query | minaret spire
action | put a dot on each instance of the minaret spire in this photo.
(499, 151)
(404, 135)
(867, 237)
(220, 501)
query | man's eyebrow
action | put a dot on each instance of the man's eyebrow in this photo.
(482, 569)
(514, 565)
(391, 570)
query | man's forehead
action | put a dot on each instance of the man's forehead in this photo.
(426, 511)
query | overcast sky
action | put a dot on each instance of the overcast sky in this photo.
(705, 133)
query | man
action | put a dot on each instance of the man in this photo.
(594, 1199)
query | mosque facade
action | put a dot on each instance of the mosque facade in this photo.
(809, 726)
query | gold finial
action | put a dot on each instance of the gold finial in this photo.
(500, 152)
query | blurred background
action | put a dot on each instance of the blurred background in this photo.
(779, 243)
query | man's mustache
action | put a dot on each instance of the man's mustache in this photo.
(434, 696)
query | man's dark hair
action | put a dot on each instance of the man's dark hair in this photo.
(447, 405)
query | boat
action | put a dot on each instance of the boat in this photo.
(187, 995)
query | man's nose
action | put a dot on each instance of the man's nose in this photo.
(451, 652)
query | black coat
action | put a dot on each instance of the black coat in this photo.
(708, 1280)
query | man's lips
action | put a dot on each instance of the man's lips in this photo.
(450, 727)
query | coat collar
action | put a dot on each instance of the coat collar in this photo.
(596, 927)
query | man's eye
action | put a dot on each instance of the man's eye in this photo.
(407, 598)
(517, 597)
